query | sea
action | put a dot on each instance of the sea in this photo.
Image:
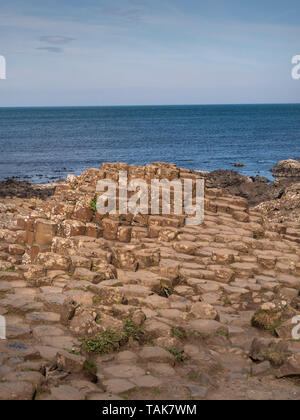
(45, 144)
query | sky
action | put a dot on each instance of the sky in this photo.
(148, 52)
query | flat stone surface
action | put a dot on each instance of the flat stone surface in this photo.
(203, 326)
(118, 386)
(147, 381)
(123, 371)
(19, 349)
(42, 317)
(67, 393)
(16, 391)
(156, 354)
(197, 391)
(47, 331)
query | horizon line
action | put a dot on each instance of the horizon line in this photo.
(149, 105)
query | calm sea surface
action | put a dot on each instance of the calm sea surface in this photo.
(49, 143)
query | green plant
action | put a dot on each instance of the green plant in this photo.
(193, 376)
(194, 334)
(110, 340)
(179, 356)
(90, 367)
(105, 342)
(93, 203)
(222, 333)
(179, 333)
(10, 269)
(226, 301)
(156, 391)
(131, 331)
(96, 299)
(165, 290)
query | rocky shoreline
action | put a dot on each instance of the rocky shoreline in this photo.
(256, 190)
(144, 307)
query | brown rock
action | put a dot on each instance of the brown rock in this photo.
(51, 261)
(45, 231)
(70, 363)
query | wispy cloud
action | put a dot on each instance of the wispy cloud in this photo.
(56, 39)
(51, 49)
(131, 14)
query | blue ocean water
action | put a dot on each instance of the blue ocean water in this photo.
(49, 143)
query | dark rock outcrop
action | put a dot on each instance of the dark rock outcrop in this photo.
(287, 169)
(23, 189)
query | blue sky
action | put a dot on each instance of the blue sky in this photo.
(131, 52)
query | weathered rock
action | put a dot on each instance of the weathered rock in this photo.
(261, 368)
(57, 302)
(202, 310)
(286, 169)
(69, 362)
(45, 231)
(269, 349)
(87, 275)
(291, 367)
(108, 295)
(51, 261)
